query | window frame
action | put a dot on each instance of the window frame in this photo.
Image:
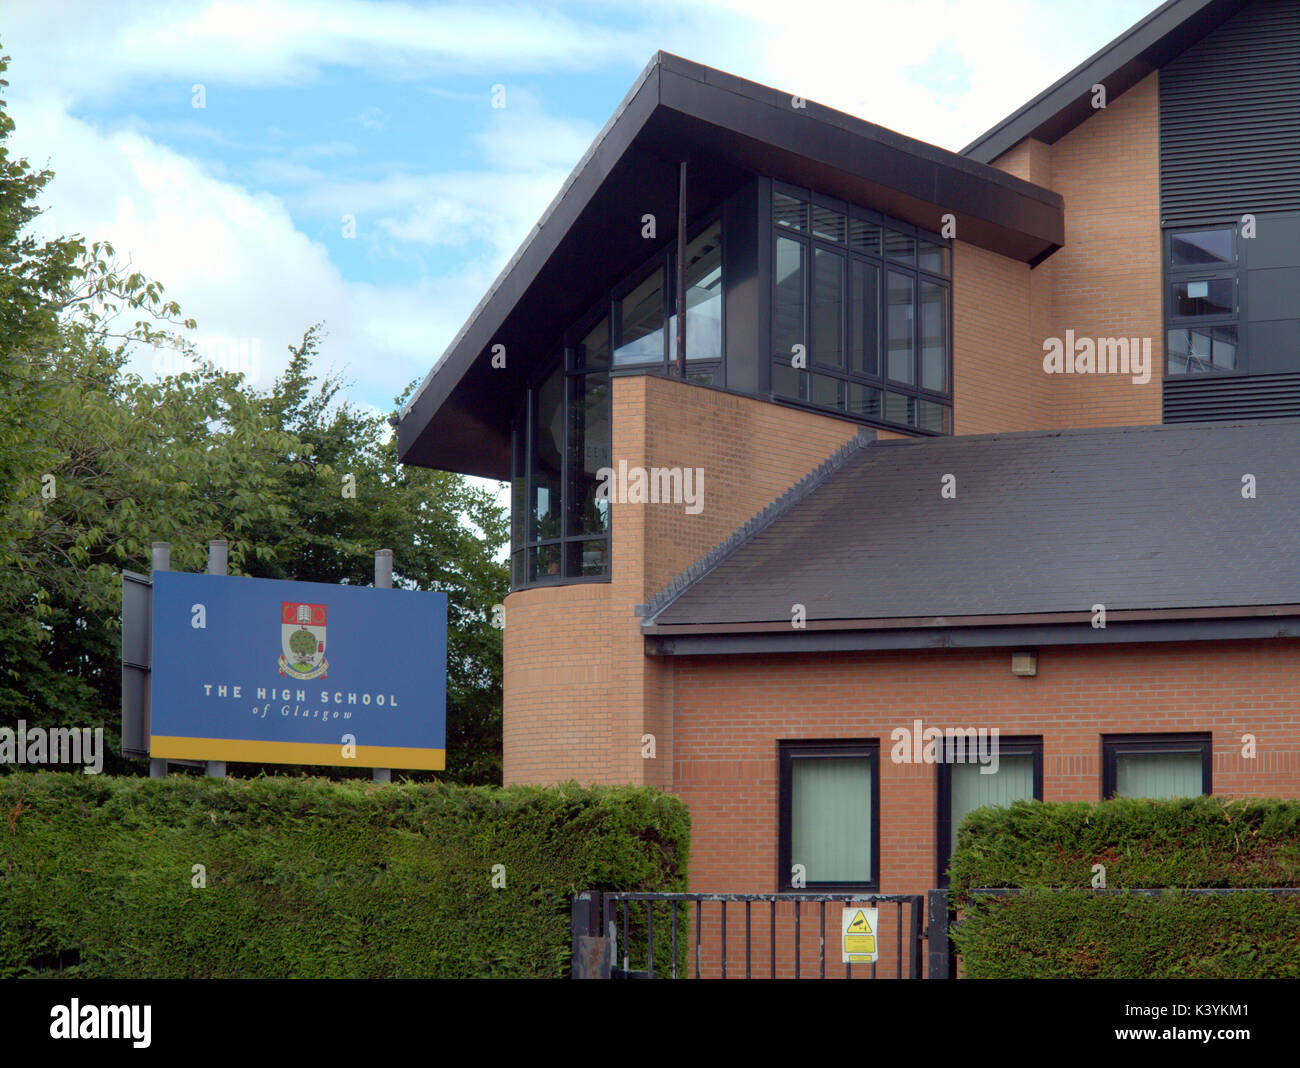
(1008, 745)
(1235, 318)
(561, 360)
(563, 355)
(884, 263)
(1113, 745)
(789, 750)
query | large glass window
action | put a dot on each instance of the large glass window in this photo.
(562, 437)
(1156, 765)
(829, 814)
(1203, 306)
(869, 301)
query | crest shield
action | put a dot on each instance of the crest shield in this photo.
(302, 640)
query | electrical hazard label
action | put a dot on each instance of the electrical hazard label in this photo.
(860, 930)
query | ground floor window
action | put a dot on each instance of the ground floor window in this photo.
(1155, 765)
(829, 815)
(966, 786)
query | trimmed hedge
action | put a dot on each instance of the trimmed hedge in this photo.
(313, 878)
(1059, 928)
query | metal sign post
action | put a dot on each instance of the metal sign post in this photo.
(383, 581)
(218, 564)
(162, 561)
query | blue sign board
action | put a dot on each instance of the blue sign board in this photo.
(266, 671)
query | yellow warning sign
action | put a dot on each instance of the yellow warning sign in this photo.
(859, 930)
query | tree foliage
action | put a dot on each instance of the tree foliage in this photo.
(96, 463)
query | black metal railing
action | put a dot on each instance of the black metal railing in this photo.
(663, 935)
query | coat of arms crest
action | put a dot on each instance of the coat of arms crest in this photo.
(302, 639)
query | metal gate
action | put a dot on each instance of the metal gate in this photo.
(673, 936)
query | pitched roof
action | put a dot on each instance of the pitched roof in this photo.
(1145, 46)
(1139, 519)
(727, 129)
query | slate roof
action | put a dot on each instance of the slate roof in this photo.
(1044, 522)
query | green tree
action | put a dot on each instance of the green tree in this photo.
(96, 463)
(351, 496)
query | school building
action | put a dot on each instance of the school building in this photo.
(822, 438)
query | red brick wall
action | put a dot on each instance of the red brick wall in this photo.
(579, 693)
(730, 713)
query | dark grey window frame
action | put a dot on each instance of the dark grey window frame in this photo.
(812, 749)
(665, 260)
(1172, 275)
(519, 554)
(662, 260)
(884, 263)
(1011, 745)
(1112, 745)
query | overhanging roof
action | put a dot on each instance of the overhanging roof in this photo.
(1148, 521)
(726, 129)
(1167, 32)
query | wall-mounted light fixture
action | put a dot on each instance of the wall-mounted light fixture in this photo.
(1024, 662)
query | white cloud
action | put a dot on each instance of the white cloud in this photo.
(233, 257)
(286, 42)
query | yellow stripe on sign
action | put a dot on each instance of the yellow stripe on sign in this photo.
(859, 943)
(244, 751)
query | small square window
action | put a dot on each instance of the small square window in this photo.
(1205, 296)
(828, 224)
(864, 401)
(788, 212)
(828, 816)
(1201, 248)
(932, 416)
(787, 381)
(900, 409)
(1155, 765)
(900, 247)
(864, 236)
(828, 392)
(933, 258)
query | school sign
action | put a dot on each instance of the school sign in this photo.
(263, 670)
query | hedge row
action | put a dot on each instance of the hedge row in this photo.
(312, 878)
(1059, 927)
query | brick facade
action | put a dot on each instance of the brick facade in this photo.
(580, 693)
(731, 712)
(1105, 282)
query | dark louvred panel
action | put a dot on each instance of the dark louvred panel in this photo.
(1202, 400)
(1230, 119)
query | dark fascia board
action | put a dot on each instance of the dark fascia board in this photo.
(759, 128)
(463, 444)
(678, 109)
(1170, 628)
(1165, 33)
